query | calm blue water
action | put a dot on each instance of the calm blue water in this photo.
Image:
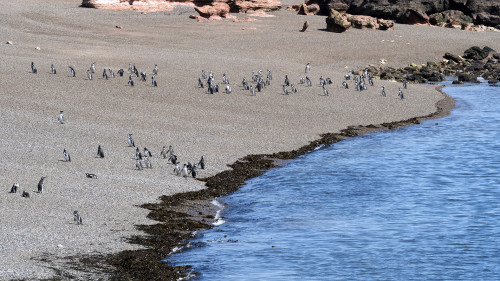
(416, 203)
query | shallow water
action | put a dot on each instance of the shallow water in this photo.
(416, 203)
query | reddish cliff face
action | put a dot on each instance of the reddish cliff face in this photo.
(485, 12)
(235, 6)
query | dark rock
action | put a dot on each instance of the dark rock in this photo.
(477, 53)
(452, 57)
(492, 81)
(413, 16)
(457, 82)
(486, 19)
(450, 16)
(466, 77)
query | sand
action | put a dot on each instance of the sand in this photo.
(222, 127)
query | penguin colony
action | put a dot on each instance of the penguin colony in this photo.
(257, 83)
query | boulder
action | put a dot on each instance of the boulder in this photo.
(242, 6)
(413, 16)
(312, 9)
(449, 16)
(385, 24)
(476, 53)
(305, 26)
(337, 22)
(452, 57)
(217, 9)
(364, 22)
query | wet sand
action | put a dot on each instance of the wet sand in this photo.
(222, 127)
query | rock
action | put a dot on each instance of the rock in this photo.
(312, 9)
(217, 9)
(452, 57)
(364, 22)
(413, 16)
(457, 82)
(242, 6)
(337, 22)
(305, 26)
(37, 48)
(466, 77)
(139, 5)
(493, 81)
(385, 24)
(476, 53)
(9, 43)
(449, 16)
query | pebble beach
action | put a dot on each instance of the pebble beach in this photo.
(38, 234)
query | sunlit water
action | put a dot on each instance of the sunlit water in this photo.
(416, 203)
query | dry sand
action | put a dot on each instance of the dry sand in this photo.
(221, 127)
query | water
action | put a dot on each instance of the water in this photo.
(416, 203)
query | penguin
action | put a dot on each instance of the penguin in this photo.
(404, 83)
(138, 154)
(120, 72)
(61, 117)
(228, 89)
(72, 71)
(14, 188)
(307, 68)
(155, 70)
(77, 218)
(321, 81)
(153, 81)
(147, 162)
(33, 68)
(130, 81)
(328, 80)
(285, 90)
(302, 80)
(104, 74)
(344, 84)
(184, 171)
(348, 76)
(144, 76)
(177, 170)
(200, 84)
(138, 165)
(147, 152)
(173, 159)
(66, 156)
(382, 91)
(370, 81)
(89, 75)
(164, 152)
(53, 69)
(41, 184)
(203, 74)
(111, 73)
(130, 140)
(170, 150)
(194, 171)
(400, 94)
(100, 152)
(252, 90)
(202, 162)
(25, 194)
(287, 82)
(325, 92)
(308, 81)
(91, 176)
(92, 67)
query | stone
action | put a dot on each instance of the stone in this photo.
(312, 9)
(364, 22)
(385, 24)
(452, 57)
(9, 43)
(242, 6)
(449, 16)
(217, 9)
(476, 53)
(413, 16)
(337, 22)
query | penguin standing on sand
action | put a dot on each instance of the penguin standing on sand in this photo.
(153, 81)
(89, 75)
(202, 162)
(52, 69)
(60, 118)
(382, 91)
(72, 71)
(130, 140)
(92, 67)
(184, 171)
(100, 152)
(155, 70)
(33, 68)
(66, 156)
(41, 184)
(77, 218)
(400, 94)
(14, 188)
(130, 81)
(308, 67)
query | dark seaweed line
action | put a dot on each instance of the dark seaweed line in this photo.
(175, 228)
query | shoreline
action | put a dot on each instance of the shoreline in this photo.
(180, 215)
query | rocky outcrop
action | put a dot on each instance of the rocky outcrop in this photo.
(337, 22)
(415, 11)
(215, 11)
(235, 6)
(340, 22)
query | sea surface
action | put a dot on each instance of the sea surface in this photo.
(415, 203)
